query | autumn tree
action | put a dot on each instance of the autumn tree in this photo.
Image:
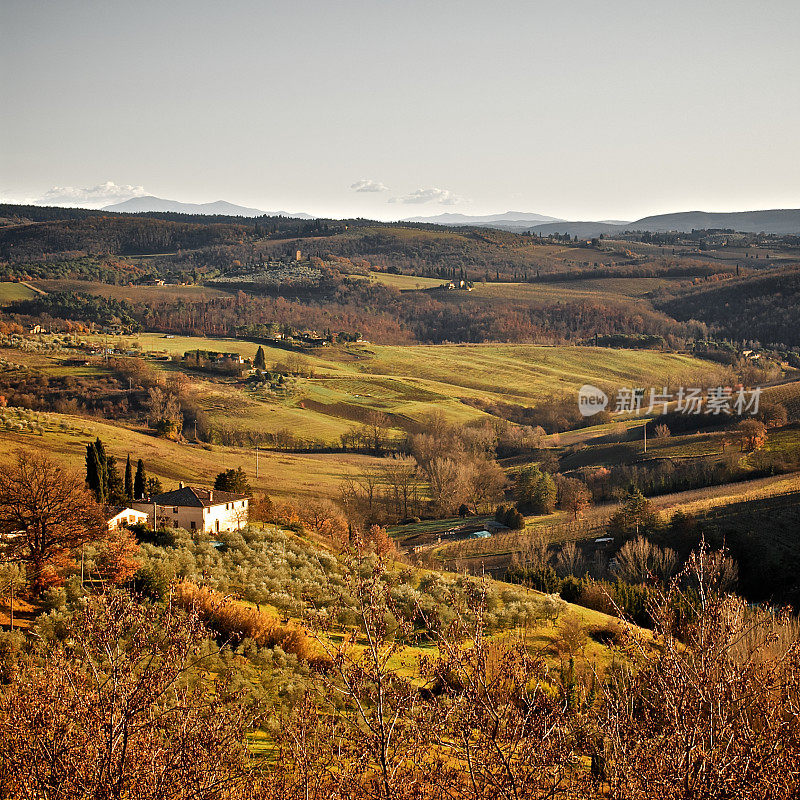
(45, 513)
(573, 496)
(113, 559)
(752, 434)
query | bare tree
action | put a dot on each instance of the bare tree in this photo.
(487, 485)
(105, 712)
(714, 711)
(533, 550)
(402, 486)
(639, 560)
(570, 561)
(499, 731)
(377, 426)
(381, 703)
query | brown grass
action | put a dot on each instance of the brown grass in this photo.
(236, 622)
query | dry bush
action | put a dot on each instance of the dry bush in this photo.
(595, 596)
(715, 711)
(572, 637)
(236, 622)
(107, 713)
(639, 561)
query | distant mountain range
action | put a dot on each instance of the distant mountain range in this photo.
(516, 218)
(777, 221)
(137, 205)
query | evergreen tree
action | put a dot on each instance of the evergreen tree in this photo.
(535, 491)
(260, 361)
(115, 489)
(94, 473)
(233, 480)
(139, 482)
(154, 487)
(635, 516)
(102, 460)
(128, 479)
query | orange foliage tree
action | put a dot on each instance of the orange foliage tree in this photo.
(45, 514)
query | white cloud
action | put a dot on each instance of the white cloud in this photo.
(91, 196)
(432, 195)
(366, 185)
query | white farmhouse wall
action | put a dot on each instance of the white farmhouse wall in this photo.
(225, 516)
(230, 516)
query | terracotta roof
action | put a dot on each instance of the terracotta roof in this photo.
(195, 497)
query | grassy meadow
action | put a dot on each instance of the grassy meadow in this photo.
(340, 386)
(281, 475)
(11, 291)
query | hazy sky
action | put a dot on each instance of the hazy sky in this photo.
(392, 108)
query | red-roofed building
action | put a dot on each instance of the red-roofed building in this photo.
(196, 509)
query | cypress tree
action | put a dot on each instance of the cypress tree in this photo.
(260, 361)
(128, 479)
(94, 473)
(139, 481)
(115, 489)
(102, 461)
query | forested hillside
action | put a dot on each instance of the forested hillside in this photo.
(762, 307)
(357, 277)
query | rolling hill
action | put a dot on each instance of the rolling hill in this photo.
(777, 221)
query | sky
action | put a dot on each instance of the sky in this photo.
(395, 108)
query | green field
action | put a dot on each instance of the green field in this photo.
(10, 291)
(134, 294)
(281, 475)
(544, 291)
(342, 385)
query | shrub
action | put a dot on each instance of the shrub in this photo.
(236, 622)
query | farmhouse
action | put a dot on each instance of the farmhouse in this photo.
(196, 509)
(119, 516)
